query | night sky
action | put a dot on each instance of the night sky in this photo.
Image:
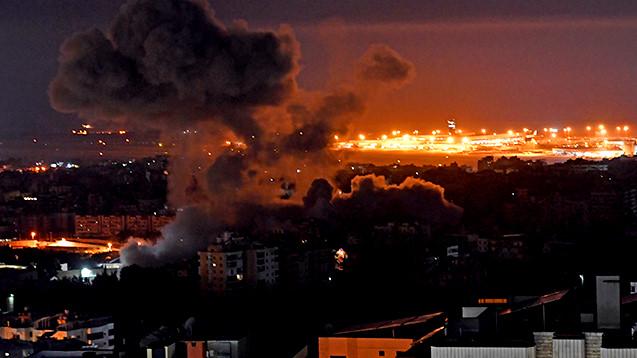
(497, 63)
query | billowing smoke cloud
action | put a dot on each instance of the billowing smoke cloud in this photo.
(317, 201)
(382, 64)
(316, 128)
(372, 200)
(320, 190)
(171, 65)
(171, 60)
(189, 233)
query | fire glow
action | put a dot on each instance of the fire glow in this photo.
(594, 142)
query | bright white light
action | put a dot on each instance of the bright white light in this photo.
(86, 273)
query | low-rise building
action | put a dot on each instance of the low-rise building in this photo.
(95, 332)
(224, 348)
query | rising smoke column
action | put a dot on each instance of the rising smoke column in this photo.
(171, 65)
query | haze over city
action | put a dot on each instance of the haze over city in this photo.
(502, 64)
(326, 179)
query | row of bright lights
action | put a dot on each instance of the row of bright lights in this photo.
(602, 130)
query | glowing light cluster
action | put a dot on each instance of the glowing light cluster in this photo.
(595, 142)
(61, 244)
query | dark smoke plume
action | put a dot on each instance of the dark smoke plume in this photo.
(171, 60)
(316, 128)
(317, 201)
(382, 64)
(170, 64)
(372, 200)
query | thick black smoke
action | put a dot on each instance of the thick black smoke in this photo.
(172, 61)
(380, 67)
(315, 128)
(171, 64)
(320, 190)
(226, 173)
(382, 64)
(372, 200)
(317, 201)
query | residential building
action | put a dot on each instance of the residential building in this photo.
(262, 266)
(232, 263)
(221, 268)
(113, 225)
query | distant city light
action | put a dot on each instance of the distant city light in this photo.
(551, 141)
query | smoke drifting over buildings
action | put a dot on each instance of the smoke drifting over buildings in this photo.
(172, 65)
(182, 238)
(373, 200)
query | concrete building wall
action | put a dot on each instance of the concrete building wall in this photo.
(262, 266)
(112, 225)
(101, 336)
(220, 271)
(86, 225)
(138, 224)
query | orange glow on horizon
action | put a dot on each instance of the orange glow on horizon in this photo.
(551, 141)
